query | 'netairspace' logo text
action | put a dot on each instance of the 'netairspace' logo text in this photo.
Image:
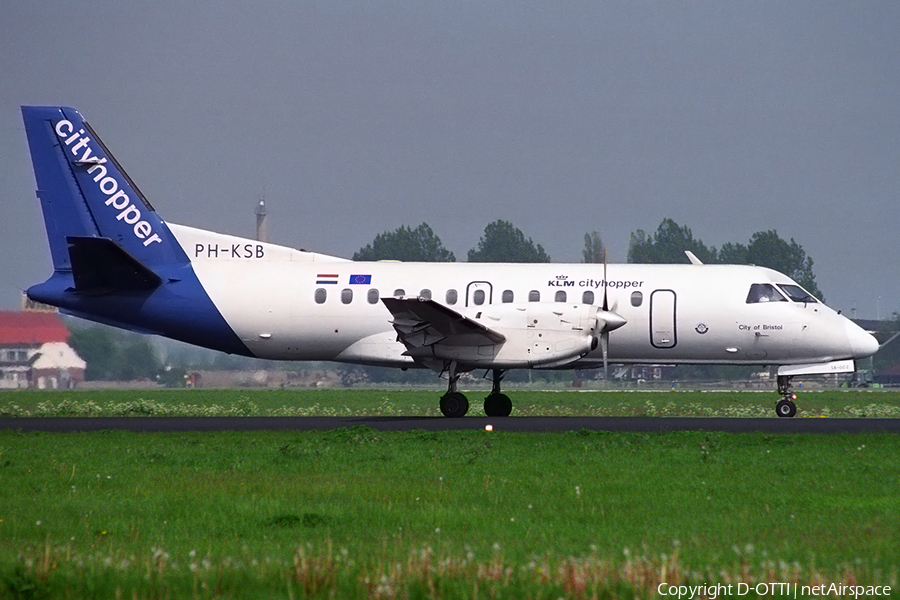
(792, 590)
(118, 199)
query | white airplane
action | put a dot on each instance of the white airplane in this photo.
(116, 261)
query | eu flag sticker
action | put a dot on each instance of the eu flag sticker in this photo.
(360, 280)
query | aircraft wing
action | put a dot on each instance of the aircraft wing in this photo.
(422, 324)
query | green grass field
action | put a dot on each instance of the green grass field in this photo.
(354, 402)
(364, 514)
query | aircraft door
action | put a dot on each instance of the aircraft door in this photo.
(479, 293)
(662, 319)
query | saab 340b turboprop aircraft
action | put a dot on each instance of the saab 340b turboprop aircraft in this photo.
(116, 261)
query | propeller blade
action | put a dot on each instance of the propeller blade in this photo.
(605, 286)
(604, 345)
(607, 320)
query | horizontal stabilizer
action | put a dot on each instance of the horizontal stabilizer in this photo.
(100, 266)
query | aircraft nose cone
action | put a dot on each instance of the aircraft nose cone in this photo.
(862, 344)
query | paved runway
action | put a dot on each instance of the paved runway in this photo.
(527, 424)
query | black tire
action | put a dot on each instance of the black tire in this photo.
(454, 405)
(786, 408)
(497, 405)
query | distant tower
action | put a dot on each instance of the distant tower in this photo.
(262, 228)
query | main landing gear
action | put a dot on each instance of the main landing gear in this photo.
(455, 404)
(786, 406)
(497, 404)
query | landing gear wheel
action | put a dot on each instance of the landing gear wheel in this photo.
(454, 404)
(497, 405)
(786, 408)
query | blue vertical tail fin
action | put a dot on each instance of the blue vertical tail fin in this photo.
(85, 193)
(115, 260)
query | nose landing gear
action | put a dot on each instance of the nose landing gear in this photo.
(786, 406)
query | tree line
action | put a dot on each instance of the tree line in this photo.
(503, 242)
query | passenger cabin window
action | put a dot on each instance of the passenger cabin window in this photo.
(399, 293)
(478, 297)
(346, 295)
(560, 296)
(534, 296)
(452, 297)
(507, 296)
(764, 292)
(321, 295)
(587, 297)
(425, 294)
(637, 298)
(797, 293)
(372, 296)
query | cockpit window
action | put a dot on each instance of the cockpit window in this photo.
(764, 292)
(797, 293)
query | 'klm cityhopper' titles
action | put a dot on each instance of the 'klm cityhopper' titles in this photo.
(117, 199)
(564, 281)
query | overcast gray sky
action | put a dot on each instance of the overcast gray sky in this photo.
(563, 117)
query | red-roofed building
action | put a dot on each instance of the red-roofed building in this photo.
(31, 328)
(24, 339)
